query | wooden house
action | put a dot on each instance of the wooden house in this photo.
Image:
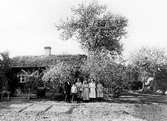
(28, 65)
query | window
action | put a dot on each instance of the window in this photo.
(22, 79)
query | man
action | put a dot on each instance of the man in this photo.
(67, 90)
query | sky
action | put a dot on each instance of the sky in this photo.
(27, 26)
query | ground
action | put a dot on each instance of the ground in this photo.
(126, 108)
(61, 111)
(132, 107)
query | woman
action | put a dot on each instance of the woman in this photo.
(99, 89)
(92, 88)
(79, 90)
(85, 91)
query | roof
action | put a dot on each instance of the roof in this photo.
(27, 67)
(40, 61)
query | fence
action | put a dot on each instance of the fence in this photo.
(25, 93)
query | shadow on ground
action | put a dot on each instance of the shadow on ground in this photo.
(133, 97)
(125, 98)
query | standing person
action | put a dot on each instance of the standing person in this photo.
(67, 90)
(92, 88)
(74, 92)
(79, 90)
(85, 91)
(99, 89)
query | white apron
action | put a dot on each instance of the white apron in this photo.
(92, 87)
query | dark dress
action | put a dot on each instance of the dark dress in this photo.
(79, 91)
(67, 91)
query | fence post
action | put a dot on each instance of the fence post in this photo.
(28, 94)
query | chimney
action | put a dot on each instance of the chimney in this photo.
(47, 50)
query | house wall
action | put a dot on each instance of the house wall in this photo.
(22, 72)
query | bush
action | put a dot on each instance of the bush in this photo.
(161, 79)
(102, 67)
(55, 77)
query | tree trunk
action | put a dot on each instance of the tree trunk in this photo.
(52, 96)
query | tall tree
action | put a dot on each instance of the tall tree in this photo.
(151, 62)
(148, 59)
(99, 32)
(95, 28)
(5, 70)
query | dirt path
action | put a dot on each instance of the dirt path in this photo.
(61, 111)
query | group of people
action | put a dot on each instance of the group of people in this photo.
(86, 91)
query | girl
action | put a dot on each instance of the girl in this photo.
(73, 92)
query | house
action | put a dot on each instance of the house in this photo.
(34, 65)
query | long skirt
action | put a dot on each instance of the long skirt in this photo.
(92, 93)
(99, 93)
(86, 94)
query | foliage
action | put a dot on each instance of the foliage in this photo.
(5, 62)
(102, 68)
(33, 82)
(6, 80)
(95, 62)
(151, 62)
(114, 75)
(95, 28)
(132, 73)
(148, 59)
(57, 75)
(161, 78)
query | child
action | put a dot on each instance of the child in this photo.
(73, 92)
